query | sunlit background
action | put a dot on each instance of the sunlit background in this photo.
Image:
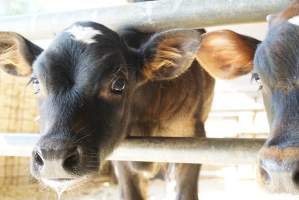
(237, 112)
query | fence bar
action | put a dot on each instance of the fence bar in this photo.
(148, 16)
(181, 150)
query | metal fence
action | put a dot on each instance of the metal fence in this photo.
(148, 16)
(175, 150)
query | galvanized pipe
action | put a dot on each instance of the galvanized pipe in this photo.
(176, 150)
(148, 16)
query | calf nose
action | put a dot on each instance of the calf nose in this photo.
(278, 170)
(57, 163)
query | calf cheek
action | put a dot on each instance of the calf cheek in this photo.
(112, 126)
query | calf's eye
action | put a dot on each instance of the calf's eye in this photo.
(118, 85)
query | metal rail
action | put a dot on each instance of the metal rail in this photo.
(176, 150)
(148, 16)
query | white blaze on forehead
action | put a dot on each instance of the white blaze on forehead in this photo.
(83, 33)
(294, 20)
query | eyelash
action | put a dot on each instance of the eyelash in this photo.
(257, 79)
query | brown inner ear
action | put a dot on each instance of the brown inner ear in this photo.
(173, 54)
(226, 54)
(11, 56)
(165, 56)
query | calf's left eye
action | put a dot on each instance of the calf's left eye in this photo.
(118, 85)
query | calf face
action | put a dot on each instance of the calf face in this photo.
(276, 68)
(276, 65)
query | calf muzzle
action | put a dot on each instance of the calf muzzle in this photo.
(278, 169)
(56, 159)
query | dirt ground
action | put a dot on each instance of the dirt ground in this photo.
(216, 182)
(210, 189)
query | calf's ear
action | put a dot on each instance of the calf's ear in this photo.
(17, 54)
(169, 54)
(226, 54)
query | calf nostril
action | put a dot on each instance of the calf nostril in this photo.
(296, 177)
(265, 176)
(72, 160)
(38, 159)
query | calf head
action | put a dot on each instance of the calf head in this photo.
(276, 69)
(85, 81)
(276, 66)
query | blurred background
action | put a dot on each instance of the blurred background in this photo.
(237, 112)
